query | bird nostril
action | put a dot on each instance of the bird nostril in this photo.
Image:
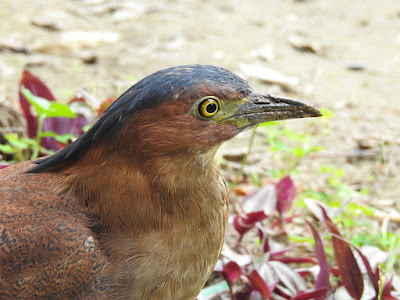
(262, 102)
(261, 99)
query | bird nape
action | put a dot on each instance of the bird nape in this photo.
(136, 207)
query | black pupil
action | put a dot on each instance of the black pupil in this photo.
(211, 107)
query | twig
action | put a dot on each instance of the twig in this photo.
(383, 216)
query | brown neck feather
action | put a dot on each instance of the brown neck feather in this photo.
(155, 170)
(119, 194)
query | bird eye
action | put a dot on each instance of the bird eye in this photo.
(209, 107)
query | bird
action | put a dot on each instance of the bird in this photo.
(136, 207)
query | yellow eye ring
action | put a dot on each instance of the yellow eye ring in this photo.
(209, 107)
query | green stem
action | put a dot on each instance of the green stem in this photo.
(246, 156)
(36, 148)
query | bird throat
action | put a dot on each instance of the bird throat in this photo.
(118, 194)
(165, 213)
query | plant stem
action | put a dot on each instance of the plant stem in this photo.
(246, 156)
(38, 138)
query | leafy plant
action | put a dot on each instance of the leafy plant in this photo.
(21, 148)
(50, 125)
(289, 148)
(269, 272)
(47, 109)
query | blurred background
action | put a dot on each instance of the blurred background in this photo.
(342, 56)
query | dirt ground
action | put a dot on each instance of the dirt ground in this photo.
(341, 55)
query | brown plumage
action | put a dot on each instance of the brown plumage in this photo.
(135, 208)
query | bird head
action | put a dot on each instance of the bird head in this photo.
(184, 110)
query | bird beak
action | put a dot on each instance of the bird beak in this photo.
(265, 108)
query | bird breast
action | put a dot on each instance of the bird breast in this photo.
(172, 261)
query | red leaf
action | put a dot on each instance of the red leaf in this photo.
(335, 271)
(322, 282)
(38, 88)
(374, 279)
(389, 297)
(3, 165)
(57, 125)
(62, 126)
(232, 271)
(350, 273)
(297, 260)
(279, 253)
(264, 238)
(315, 294)
(259, 284)
(304, 273)
(388, 287)
(244, 223)
(386, 294)
(285, 193)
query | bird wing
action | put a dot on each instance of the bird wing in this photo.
(46, 249)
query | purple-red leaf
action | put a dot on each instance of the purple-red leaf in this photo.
(371, 275)
(322, 282)
(38, 88)
(232, 271)
(348, 268)
(304, 272)
(279, 253)
(264, 238)
(292, 259)
(244, 223)
(58, 125)
(285, 193)
(65, 125)
(315, 294)
(374, 277)
(386, 294)
(3, 165)
(389, 297)
(62, 126)
(259, 284)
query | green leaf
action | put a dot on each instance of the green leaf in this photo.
(62, 138)
(20, 144)
(299, 152)
(7, 148)
(87, 127)
(279, 146)
(16, 143)
(327, 113)
(50, 109)
(268, 124)
(301, 239)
